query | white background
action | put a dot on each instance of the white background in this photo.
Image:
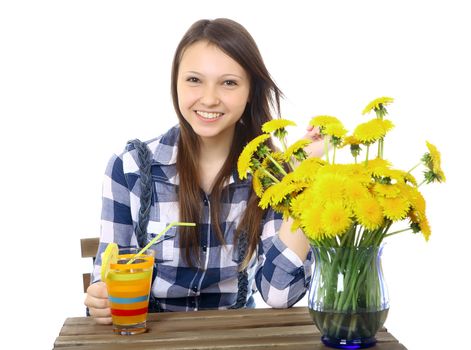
(80, 78)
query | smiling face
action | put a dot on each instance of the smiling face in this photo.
(213, 91)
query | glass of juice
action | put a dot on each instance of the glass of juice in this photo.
(128, 290)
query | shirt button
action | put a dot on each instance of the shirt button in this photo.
(195, 289)
(204, 248)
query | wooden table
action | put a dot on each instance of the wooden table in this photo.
(220, 329)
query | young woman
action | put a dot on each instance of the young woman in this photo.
(222, 94)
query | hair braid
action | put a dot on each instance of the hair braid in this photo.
(242, 277)
(144, 163)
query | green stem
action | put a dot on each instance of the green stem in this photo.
(266, 172)
(333, 156)
(326, 148)
(283, 144)
(382, 148)
(396, 232)
(415, 166)
(367, 154)
(278, 166)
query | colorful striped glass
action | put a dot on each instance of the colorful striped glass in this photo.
(128, 291)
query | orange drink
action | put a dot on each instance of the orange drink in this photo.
(128, 287)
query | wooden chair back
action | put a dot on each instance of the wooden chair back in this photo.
(89, 247)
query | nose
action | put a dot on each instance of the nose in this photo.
(210, 96)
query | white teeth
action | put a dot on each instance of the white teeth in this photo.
(209, 115)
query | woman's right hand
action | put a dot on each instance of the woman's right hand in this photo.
(97, 303)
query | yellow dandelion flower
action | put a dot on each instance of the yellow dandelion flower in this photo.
(387, 190)
(395, 208)
(355, 190)
(307, 170)
(311, 222)
(330, 187)
(369, 213)
(377, 167)
(409, 178)
(257, 182)
(377, 163)
(298, 204)
(284, 189)
(358, 172)
(434, 162)
(372, 130)
(276, 124)
(295, 147)
(394, 174)
(350, 140)
(417, 205)
(377, 103)
(245, 158)
(425, 228)
(335, 129)
(335, 219)
(267, 197)
(323, 120)
(282, 209)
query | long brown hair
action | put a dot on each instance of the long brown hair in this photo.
(234, 40)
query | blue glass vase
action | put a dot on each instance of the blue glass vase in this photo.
(348, 299)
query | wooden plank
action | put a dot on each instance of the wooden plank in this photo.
(207, 314)
(168, 321)
(216, 329)
(230, 340)
(208, 338)
(86, 278)
(89, 247)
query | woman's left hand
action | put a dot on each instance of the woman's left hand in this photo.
(316, 147)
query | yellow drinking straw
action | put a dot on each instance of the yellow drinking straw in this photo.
(158, 236)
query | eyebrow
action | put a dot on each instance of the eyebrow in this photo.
(222, 76)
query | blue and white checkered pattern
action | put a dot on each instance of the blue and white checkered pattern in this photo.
(276, 271)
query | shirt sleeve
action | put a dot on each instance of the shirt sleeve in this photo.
(281, 277)
(116, 219)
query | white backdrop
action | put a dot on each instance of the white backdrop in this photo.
(80, 78)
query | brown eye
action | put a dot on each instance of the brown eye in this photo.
(193, 80)
(230, 83)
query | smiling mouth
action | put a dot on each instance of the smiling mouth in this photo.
(209, 115)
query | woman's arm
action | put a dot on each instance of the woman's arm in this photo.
(282, 275)
(296, 241)
(116, 226)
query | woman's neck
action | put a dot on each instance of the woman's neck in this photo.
(213, 155)
(215, 149)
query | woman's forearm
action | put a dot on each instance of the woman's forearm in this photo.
(296, 240)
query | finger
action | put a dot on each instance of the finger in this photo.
(309, 127)
(98, 290)
(103, 320)
(98, 313)
(97, 303)
(313, 136)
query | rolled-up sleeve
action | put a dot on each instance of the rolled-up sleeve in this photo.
(282, 277)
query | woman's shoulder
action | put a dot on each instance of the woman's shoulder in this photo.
(164, 147)
(162, 150)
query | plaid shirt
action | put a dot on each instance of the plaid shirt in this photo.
(275, 270)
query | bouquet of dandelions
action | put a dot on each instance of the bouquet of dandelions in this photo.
(345, 207)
